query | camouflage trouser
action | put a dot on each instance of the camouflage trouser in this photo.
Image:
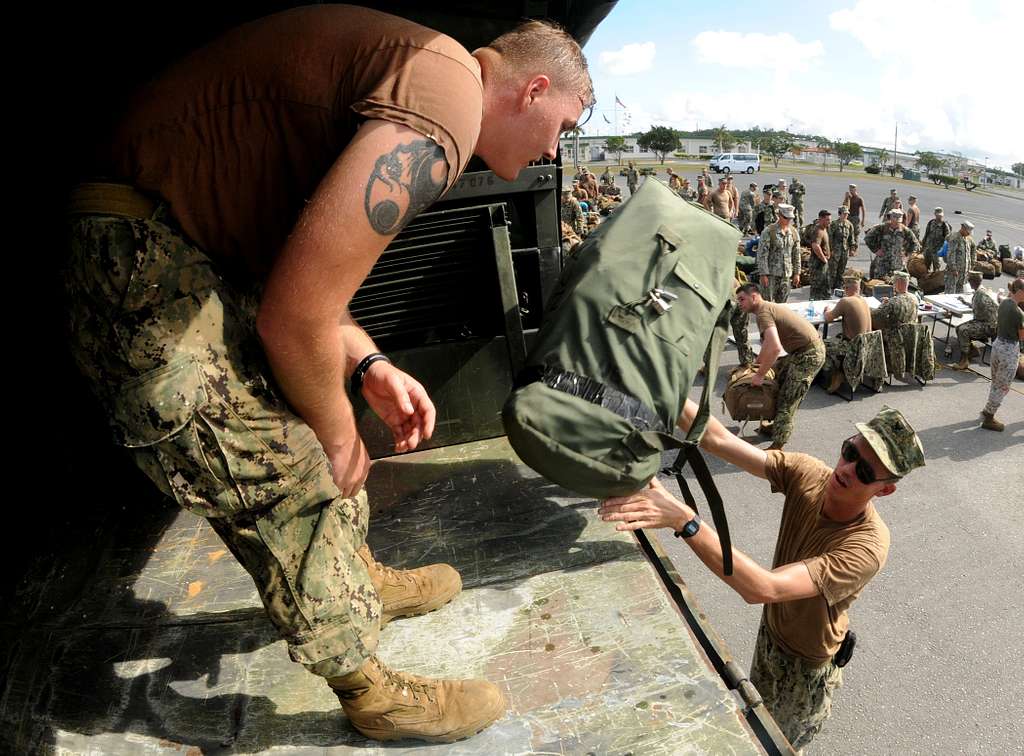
(798, 693)
(777, 290)
(795, 377)
(746, 220)
(955, 279)
(972, 330)
(836, 268)
(856, 231)
(885, 265)
(632, 188)
(820, 284)
(836, 350)
(798, 216)
(738, 320)
(171, 352)
(931, 259)
(1005, 358)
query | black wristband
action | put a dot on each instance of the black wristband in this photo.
(360, 372)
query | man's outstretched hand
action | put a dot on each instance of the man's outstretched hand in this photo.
(401, 402)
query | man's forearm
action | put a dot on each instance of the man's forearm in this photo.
(748, 579)
(309, 365)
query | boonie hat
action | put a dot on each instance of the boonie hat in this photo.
(894, 441)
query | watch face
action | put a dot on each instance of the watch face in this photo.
(690, 528)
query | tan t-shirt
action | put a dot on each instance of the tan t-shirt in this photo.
(856, 315)
(237, 136)
(721, 199)
(795, 332)
(840, 557)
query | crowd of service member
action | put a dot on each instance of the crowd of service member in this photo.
(780, 252)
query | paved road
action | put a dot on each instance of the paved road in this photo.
(937, 666)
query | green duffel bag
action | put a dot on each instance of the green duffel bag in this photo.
(644, 303)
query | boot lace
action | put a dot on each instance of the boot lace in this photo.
(405, 685)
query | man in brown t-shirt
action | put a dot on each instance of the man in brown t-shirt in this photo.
(721, 200)
(790, 338)
(856, 315)
(858, 214)
(831, 543)
(263, 176)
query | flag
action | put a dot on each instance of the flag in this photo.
(620, 102)
(605, 118)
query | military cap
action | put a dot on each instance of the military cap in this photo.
(895, 211)
(894, 441)
(853, 186)
(892, 191)
(901, 274)
(824, 213)
(974, 275)
(776, 193)
(844, 210)
(913, 196)
(848, 277)
(967, 224)
(786, 211)
(988, 231)
(939, 210)
(753, 185)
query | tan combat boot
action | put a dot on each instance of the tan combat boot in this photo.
(836, 382)
(387, 705)
(989, 422)
(406, 593)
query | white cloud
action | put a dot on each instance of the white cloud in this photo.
(950, 82)
(633, 58)
(781, 52)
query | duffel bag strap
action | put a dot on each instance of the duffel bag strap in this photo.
(711, 357)
(690, 453)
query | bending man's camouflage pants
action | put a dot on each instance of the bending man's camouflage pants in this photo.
(738, 321)
(171, 352)
(777, 289)
(797, 692)
(1005, 358)
(795, 377)
(972, 330)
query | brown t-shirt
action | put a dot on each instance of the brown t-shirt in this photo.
(720, 201)
(1010, 320)
(795, 332)
(856, 315)
(237, 136)
(840, 557)
(855, 203)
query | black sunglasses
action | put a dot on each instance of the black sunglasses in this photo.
(863, 469)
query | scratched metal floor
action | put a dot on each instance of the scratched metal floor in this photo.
(152, 639)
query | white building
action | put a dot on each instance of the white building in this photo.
(594, 149)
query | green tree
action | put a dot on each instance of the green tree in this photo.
(615, 145)
(1018, 168)
(660, 140)
(826, 146)
(776, 145)
(847, 151)
(931, 162)
(883, 158)
(724, 139)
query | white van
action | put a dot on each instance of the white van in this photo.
(735, 162)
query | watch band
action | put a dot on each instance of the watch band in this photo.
(689, 529)
(360, 372)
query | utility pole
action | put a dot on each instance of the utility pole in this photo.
(894, 137)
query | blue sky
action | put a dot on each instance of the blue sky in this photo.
(946, 71)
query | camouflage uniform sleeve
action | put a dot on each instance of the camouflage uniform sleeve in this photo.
(763, 252)
(914, 244)
(796, 258)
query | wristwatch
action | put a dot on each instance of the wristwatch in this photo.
(689, 529)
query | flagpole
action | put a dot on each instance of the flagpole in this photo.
(616, 115)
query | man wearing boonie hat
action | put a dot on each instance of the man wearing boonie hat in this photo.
(842, 240)
(890, 242)
(889, 203)
(935, 233)
(778, 256)
(796, 197)
(831, 543)
(960, 258)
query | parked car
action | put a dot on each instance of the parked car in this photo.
(735, 162)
